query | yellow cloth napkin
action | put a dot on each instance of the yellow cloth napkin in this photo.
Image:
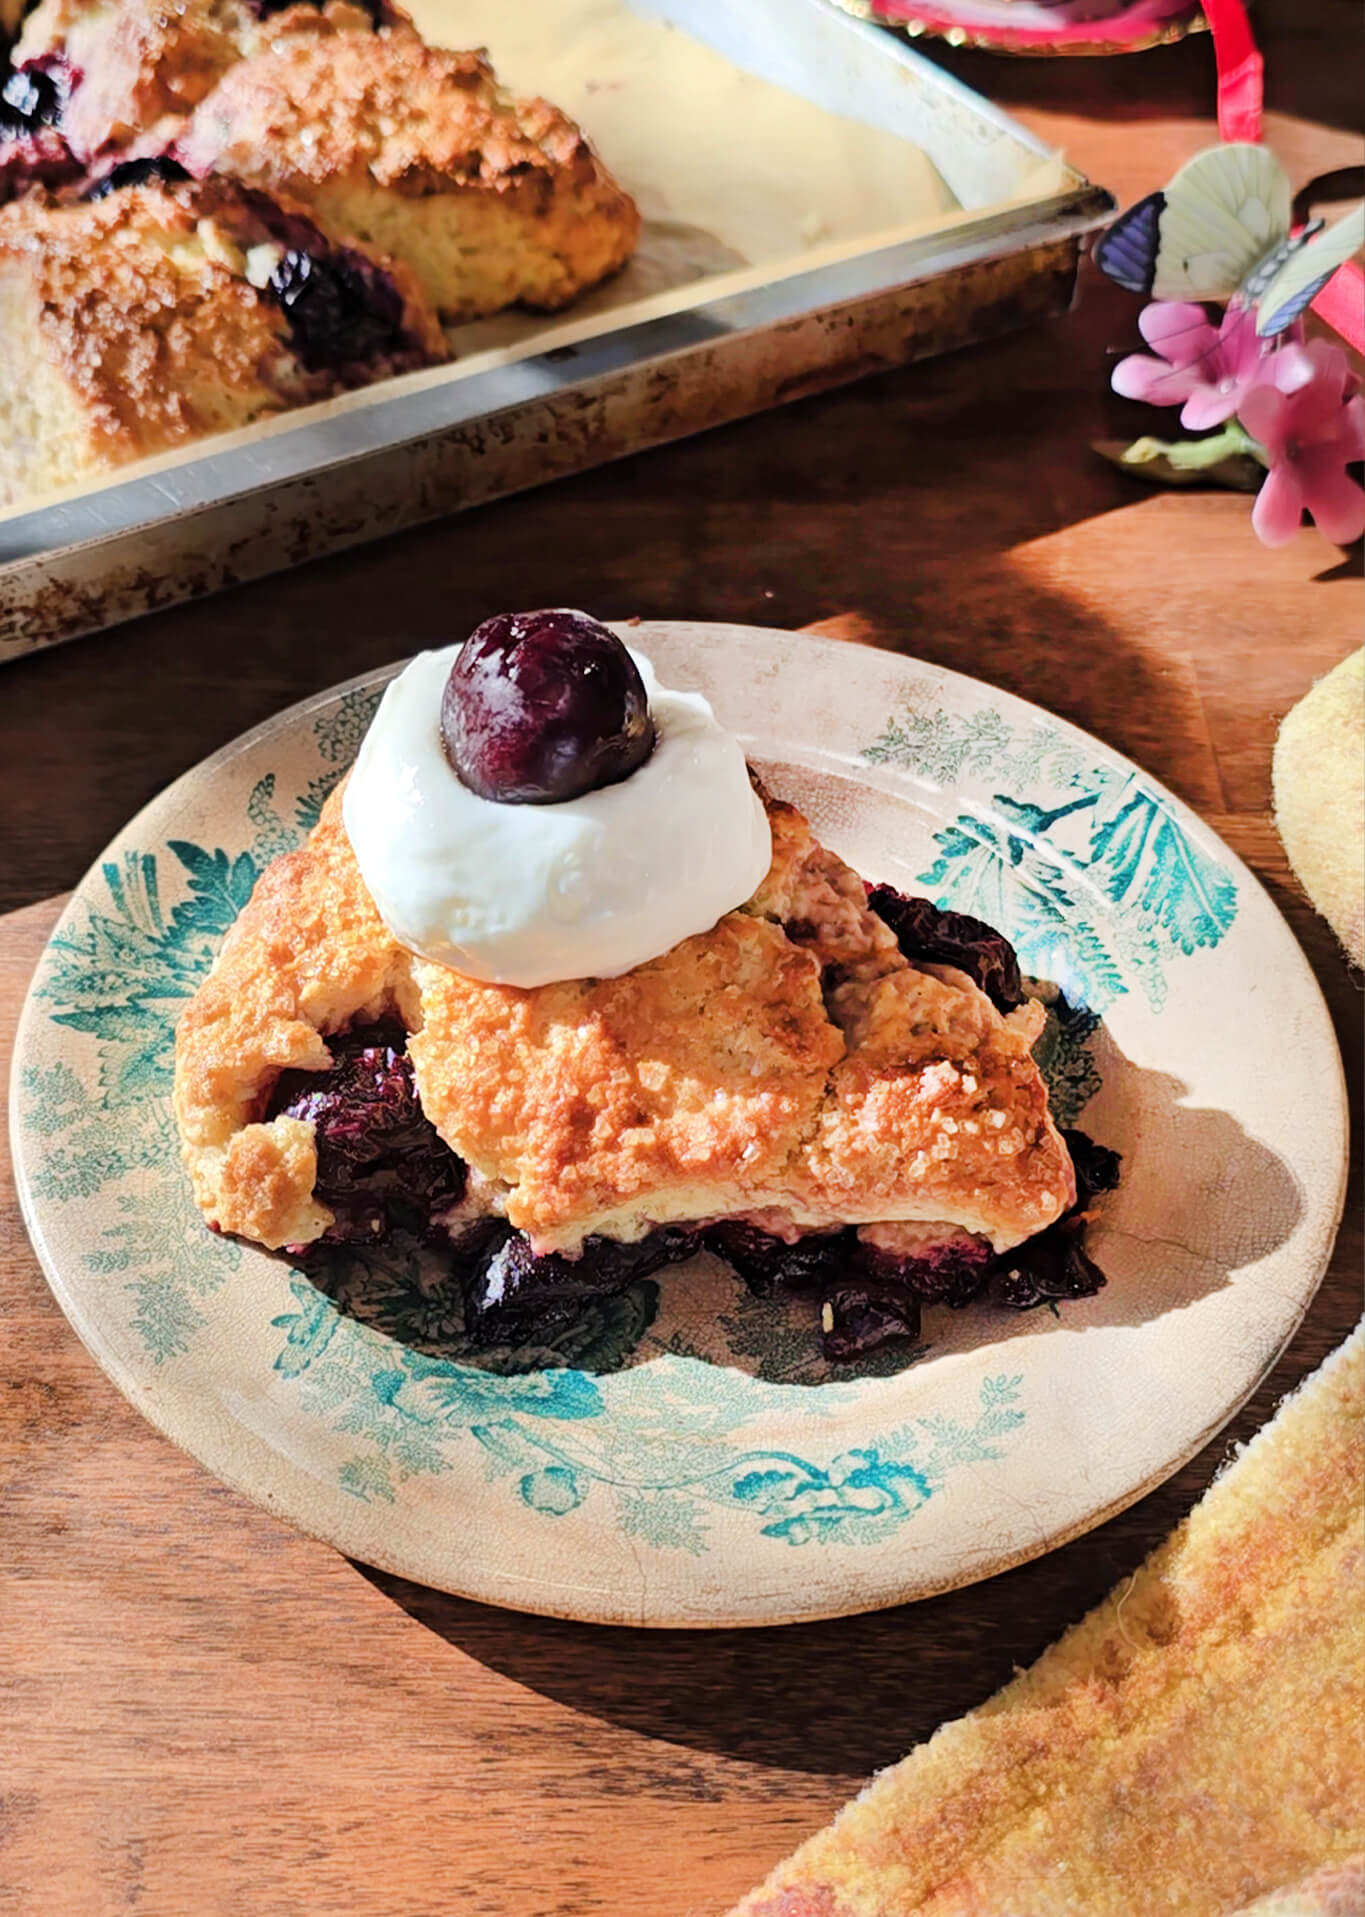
(1320, 798)
(1192, 1745)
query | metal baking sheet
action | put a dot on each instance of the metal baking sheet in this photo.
(714, 321)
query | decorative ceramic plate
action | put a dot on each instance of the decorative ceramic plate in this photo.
(683, 1456)
(1038, 26)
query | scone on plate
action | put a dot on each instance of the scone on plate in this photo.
(130, 73)
(157, 312)
(490, 201)
(577, 1037)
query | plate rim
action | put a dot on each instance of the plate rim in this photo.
(144, 1398)
(929, 19)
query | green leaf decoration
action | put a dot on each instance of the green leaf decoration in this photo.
(1222, 460)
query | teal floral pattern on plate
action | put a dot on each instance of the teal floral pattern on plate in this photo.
(685, 1423)
(1097, 883)
(546, 1434)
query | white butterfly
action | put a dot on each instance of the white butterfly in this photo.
(1220, 231)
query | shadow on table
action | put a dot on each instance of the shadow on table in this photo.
(1351, 565)
(840, 1698)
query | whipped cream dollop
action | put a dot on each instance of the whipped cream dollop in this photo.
(531, 894)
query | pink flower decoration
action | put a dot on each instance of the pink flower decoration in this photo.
(1203, 369)
(1309, 418)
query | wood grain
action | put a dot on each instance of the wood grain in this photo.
(204, 1714)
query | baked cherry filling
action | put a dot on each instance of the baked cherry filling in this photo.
(381, 1164)
(512, 1296)
(342, 309)
(156, 166)
(929, 936)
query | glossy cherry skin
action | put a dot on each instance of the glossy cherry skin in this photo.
(541, 707)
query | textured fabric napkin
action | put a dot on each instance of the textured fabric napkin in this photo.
(1320, 798)
(1193, 1745)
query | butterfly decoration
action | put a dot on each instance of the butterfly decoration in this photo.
(1221, 230)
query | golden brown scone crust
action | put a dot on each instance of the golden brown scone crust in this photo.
(737, 1074)
(128, 326)
(417, 150)
(134, 337)
(144, 65)
(1192, 1745)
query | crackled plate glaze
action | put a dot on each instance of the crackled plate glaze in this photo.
(683, 1457)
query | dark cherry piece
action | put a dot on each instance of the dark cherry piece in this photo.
(1055, 1264)
(858, 1318)
(381, 1162)
(511, 1294)
(769, 1265)
(342, 310)
(157, 166)
(953, 1272)
(928, 934)
(33, 150)
(542, 706)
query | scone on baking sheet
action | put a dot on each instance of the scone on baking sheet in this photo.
(784, 1087)
(131, 71)
(491, 201)
(159, 312)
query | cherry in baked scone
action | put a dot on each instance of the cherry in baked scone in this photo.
(342, 308)
(490, 200)
(33, 148)
(543, 706)
(143, 317)
(33, 96)
(158, 167)
(926, 934)
(381, 1164)
(141, 66)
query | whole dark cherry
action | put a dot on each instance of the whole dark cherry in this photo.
(543, 706)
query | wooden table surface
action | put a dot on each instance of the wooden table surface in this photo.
(206, 1714)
